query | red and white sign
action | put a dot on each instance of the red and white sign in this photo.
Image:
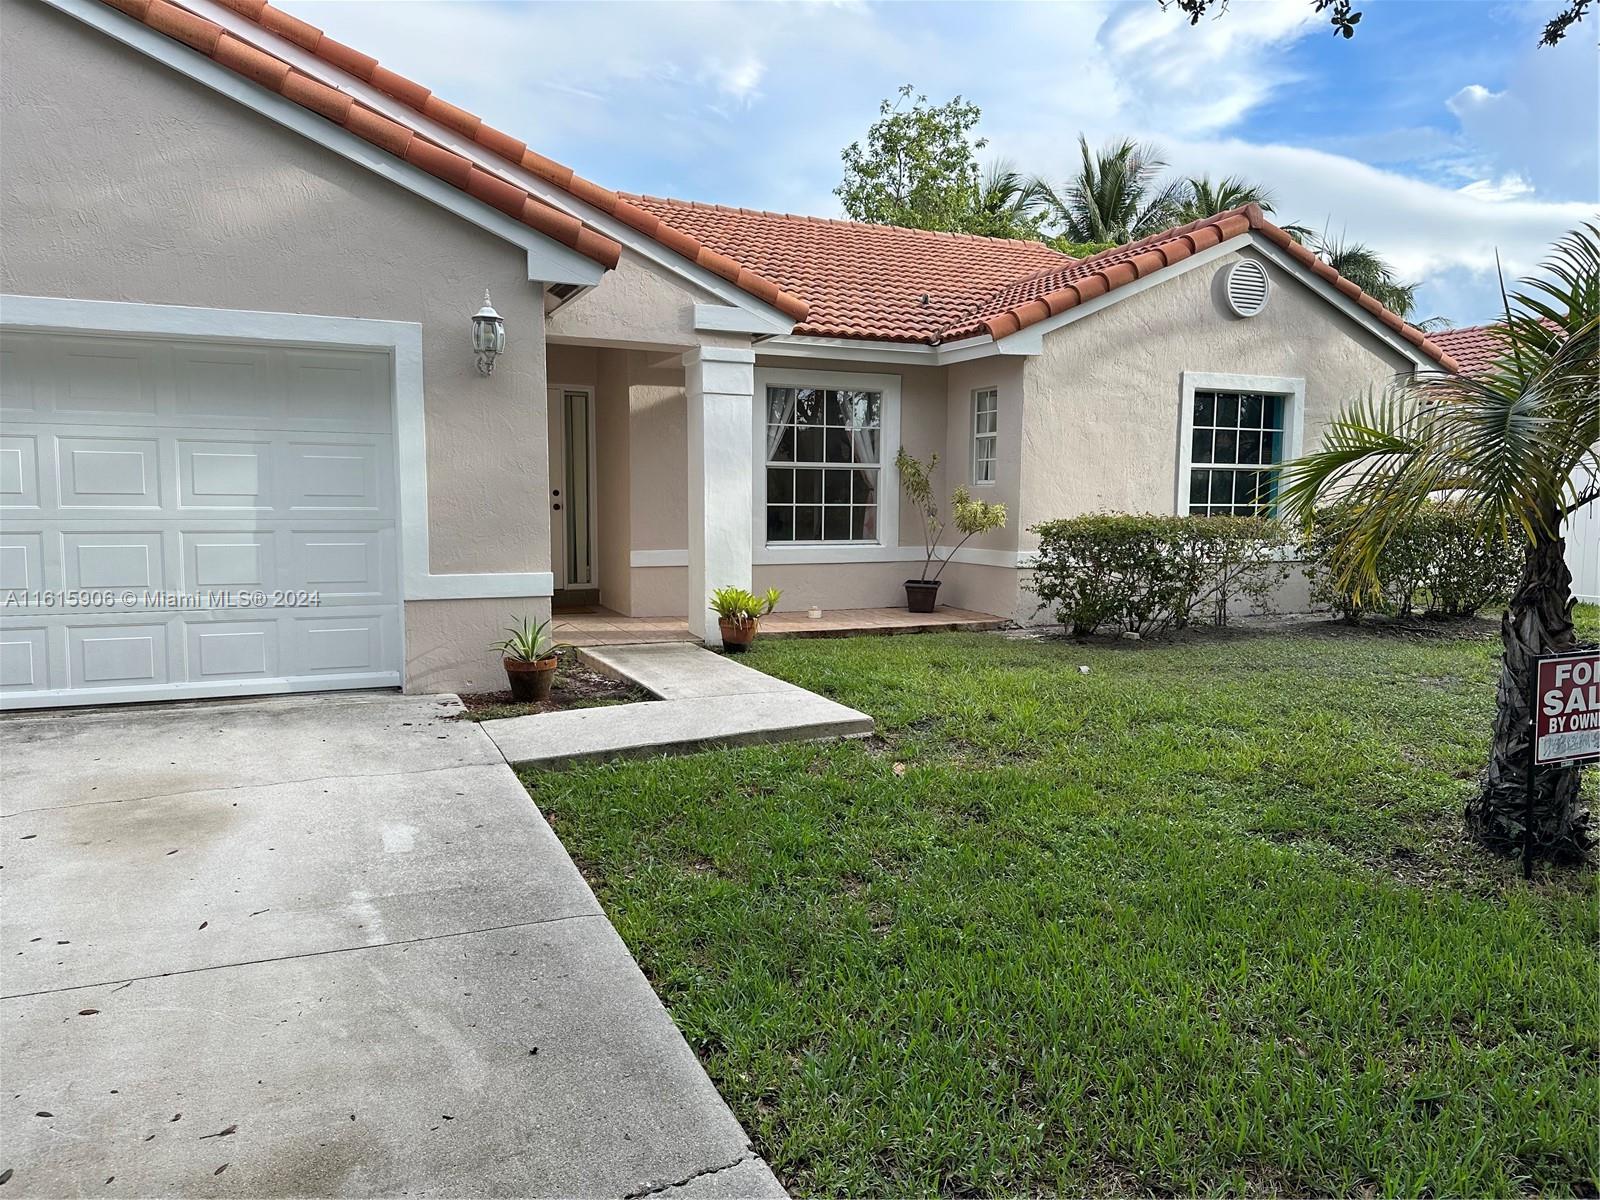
(1566, 715)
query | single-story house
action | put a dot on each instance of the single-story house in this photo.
(240, 268)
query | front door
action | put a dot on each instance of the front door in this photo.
(572, 487)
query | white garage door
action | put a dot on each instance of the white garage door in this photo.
(193, 519)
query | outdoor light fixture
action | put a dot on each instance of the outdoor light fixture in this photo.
(488, 335)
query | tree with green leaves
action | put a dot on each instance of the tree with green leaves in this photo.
(1114, 196)
(919, 166)
(1518, 448)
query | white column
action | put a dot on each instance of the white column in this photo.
(720, 383)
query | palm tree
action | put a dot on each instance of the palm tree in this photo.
(1364, 267)
(1202, 198)
(1510, 444)
(1004, 204)
(1114, 196)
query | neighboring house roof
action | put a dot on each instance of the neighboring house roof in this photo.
(833, 278)
(1476, 347)
(878, 282)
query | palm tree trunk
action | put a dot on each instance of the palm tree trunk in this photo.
(1538, 621)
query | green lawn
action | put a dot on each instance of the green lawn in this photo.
(1200, 920)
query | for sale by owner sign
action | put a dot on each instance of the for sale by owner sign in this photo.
(1566, 715)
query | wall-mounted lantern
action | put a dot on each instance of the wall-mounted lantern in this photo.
(488, 335)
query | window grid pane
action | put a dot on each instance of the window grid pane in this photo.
(1236, 435)
(985, 428)
(823, 447)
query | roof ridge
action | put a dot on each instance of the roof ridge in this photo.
(423, 101)
(1121, 265)
(740, 210)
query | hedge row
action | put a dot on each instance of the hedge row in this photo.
(1149, 573)
(1437, 564)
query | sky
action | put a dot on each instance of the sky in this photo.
(1441, 134)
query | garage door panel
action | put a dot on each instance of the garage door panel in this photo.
(334, 476)
(19, 471)
(235, 385)
(21, 561)
(19, 374)
(109, 472)
(225, 474)
(349, 642)
(106, 377)
(112, 559)
(232, 649)
(347, 564)
(330, 390)
(229, 559)
(186, 488)
(24, 658)
(116, 654)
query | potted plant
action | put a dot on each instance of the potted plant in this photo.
(739, 614)
(968, 515)
(530, 659)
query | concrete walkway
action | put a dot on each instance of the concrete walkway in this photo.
(321, 945)
(705, 700)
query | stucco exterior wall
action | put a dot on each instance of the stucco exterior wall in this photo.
(136, 184)
(1005, 374)
(1102, 402)
(638, 303)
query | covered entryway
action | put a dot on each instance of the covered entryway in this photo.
(194, 518)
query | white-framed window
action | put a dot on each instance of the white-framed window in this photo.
(826, 442)
(985, 433)
(1235, 429)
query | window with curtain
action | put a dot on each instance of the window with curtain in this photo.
(985, 433)
(1238, 437)
(824, 458)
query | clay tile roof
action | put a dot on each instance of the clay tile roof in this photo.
(833, 278)
(741, 274)
(1028, 301)
(1474, 347)
(278, 76)
(876, 282)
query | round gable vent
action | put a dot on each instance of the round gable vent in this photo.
(1246, 287)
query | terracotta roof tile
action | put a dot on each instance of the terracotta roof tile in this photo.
(400, 140)
(1474, 347)
(860, 281)
(1017, 305)
(834, 278)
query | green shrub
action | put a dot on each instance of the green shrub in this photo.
(1437, 564)
(1146, 573)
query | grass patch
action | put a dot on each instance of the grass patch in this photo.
(1199, 920)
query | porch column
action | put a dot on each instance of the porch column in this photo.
(720, 383)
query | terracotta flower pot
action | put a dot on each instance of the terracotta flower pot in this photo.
(531, 681)
(922, 595)
(737, 635)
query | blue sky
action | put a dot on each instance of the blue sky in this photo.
(1440, 134)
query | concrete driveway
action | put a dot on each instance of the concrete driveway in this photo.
(321, 945)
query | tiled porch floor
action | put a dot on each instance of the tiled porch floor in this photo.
(602, 627)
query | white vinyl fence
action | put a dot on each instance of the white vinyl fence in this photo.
(1583, 552)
